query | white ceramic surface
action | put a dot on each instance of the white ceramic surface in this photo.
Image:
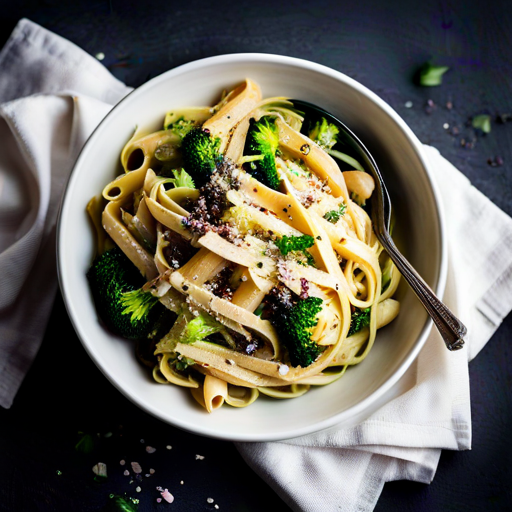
(419, 231)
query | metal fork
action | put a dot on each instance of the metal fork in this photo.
(450, 327)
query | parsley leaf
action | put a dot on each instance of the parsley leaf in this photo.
(431, 75)
(482, 122)
(335, 215)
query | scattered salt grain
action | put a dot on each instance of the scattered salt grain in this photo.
(150, 449)
(169, 447)
(100, 55)
(167, 496)
(216, 506)
(136, 467)
(151, 471)
(408, 104)
(122, 462)
(126, 473)
(159, 500)
(199, 457)
(138, 489)
(210, 500)
(182, 482)
(100, 469)
(283, 369)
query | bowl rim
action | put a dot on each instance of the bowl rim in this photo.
(366, 406)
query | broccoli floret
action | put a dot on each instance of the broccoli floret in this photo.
(260, 149)
(124, 309)
(324, 133)
(199, 328)
(201, 153)
(137, 303)
(181, 127)
(181, 179)
(294, 319)
(360, 318)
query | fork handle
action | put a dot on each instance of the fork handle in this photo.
(450, 327)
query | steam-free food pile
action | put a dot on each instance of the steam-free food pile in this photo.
(237, 252)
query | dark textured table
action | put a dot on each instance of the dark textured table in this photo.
(380, 44)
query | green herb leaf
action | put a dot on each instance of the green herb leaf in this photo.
(181, 363)
(259, 310)
(120, 503)
(431, 75)
(335, 215)
(287, 244)
(482, 122)
(85, 444)
(297, 244)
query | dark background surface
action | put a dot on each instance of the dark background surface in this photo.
(380, 44)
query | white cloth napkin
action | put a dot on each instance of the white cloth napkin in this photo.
(52, 95)
(345, 468)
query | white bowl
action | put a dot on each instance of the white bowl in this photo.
(419, 231)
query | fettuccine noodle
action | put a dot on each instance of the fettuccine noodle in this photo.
(232, 269)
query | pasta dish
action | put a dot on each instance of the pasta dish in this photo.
(236, 250)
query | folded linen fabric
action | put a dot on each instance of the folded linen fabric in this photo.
(345, 468)
(52, 95)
